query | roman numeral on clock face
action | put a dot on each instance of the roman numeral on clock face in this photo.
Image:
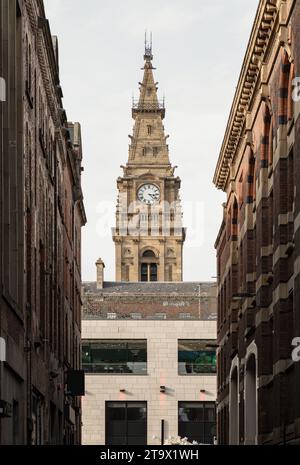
(148, 194)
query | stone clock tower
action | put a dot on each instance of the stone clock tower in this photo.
(149, 235)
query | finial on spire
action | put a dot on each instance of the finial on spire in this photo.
(148, 48)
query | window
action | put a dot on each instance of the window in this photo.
(115, 356)
(195, 357)
(144, 272)
(184, 316)
(37, 420)
(153, 272)
(126, 423)
(136, 316)
(149, 254)
(149, 130)
(148, 272)
(15, 422)
(161, 316)
(149, 268)
(111, 316)
(197, 421)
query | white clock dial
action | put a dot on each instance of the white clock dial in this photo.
(149, 194)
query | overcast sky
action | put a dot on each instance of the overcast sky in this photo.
(198, 48)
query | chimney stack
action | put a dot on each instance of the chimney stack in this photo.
(100, 273)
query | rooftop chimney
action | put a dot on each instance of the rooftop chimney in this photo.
(100, 273)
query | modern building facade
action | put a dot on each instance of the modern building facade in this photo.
(258, 245)
(149, 339)
(41, 218)
(149, 355)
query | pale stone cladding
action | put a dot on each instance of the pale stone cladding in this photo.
(162, 369)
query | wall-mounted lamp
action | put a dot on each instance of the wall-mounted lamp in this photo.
(162, 389)
(203, 391)
(123, 391)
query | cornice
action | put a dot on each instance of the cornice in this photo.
(271, 16)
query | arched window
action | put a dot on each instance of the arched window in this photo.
(228, 225)
(234, 222)
(251, 401)
(265, 139)
(234, 408)
(290, 109)
(251, 179)
(149, 254)
(285, 94)
(149, 267)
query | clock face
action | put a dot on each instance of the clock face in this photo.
(149, 194)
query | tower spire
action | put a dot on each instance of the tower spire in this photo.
(148, 48)
(149, 191)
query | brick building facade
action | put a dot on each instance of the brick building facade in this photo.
(258, 246)
(42, 214)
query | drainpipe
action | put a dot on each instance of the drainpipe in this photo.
(162, 435)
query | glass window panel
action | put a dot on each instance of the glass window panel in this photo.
(153, 272)
(149, 254)
(209, 412)
(136, 413)
(144, 272)
(194, 421)
(126, 423)
(115, 356)
(194, 357)
(116, 413)
(86, 354)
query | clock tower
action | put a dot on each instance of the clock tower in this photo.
(148, 235)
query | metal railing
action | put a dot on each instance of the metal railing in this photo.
(148, 106)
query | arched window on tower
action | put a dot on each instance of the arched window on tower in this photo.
(149, 267)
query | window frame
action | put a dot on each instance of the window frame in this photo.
(89, 342)
(203, 422)
(107, 402)
(204, 341)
